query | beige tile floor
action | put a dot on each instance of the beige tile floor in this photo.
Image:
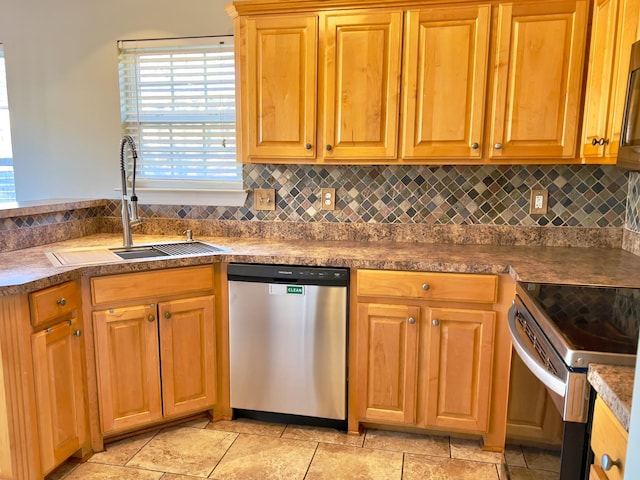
(247, 449)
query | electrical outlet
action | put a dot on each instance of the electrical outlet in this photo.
(539, 200)
(328, 198)
(265, 198)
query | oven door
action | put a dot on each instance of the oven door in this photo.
(568, 387)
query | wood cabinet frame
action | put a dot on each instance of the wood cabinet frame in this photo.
(494, 431)
(496, 120)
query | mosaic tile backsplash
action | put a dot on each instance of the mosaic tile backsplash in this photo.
(579, 196)
(633, 203)
(434, 203)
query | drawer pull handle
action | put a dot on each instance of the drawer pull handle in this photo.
(435, 322)
(167, 315)
(151, 318)
(61, 302)
(475, 145)
(601, 142)
(498, 146)
(425, 286)
(412, 320)
(308, 146)
(608, 462)
(77, 333)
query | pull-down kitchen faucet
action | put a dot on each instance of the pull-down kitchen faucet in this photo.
(130, 216)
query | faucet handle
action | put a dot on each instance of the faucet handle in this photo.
(189, 235)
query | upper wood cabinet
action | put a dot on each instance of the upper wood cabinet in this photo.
(614, 28)
(493, 82)
(278, 87)
(360, 85)
(446, 62)
(538, 80)
(348, 66)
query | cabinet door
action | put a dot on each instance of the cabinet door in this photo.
(532, 416)
(386, 362)
(128, 366)
(460, 356)
(188, 352)
(596, 103)
(360, 82)
(614, 29)
(279, 86)
(538, 79)
(445, 72)
(58, 385)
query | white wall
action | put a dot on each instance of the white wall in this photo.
(632, 469)
(62, 74)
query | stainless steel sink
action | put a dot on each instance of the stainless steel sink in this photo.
(166, 250)
(87, 256)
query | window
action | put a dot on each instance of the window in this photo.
(178, 103)
(7, 182)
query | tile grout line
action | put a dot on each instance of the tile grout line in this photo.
(311, 461)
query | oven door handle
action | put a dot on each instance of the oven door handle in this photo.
(531, 359)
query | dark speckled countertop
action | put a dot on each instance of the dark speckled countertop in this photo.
(29, 269)
(614, 384)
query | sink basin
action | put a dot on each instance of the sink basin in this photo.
(87, 256)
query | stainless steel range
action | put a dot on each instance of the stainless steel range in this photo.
(558, 330)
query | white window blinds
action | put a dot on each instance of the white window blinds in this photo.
(178, 103)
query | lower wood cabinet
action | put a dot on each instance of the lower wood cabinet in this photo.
(57, 368)
(532, 417)
(460, 352)
(388, 361)
(57, 372)
(422, 358)
(155, 360)
(609, 442)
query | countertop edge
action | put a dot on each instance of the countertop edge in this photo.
(614, 384)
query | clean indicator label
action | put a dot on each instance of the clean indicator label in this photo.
(280, 289)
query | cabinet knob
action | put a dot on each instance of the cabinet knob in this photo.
(608, 462)
(475, 145)
(167, 315)
(61, 302)
(77, 333)
(425, 286)
(151, 318)
(308, 146)
(435, 322)
(498, 146)
(412, 320)
(329, 148)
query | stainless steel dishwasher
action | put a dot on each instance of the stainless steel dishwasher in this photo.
(288, 339)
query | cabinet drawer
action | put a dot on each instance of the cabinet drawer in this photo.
(133, 286)
(53, 302)
(608, 437)
(456, 287)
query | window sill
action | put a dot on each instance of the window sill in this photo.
(217, 198)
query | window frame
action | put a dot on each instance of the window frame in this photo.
(155, 116)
